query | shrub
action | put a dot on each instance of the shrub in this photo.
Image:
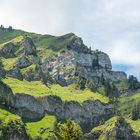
(133, 83)
(68, 131)
(135, 114)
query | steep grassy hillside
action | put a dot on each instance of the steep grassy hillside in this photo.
(37, 89)
(117, 128)
(6, 35)
(47, 45)
(126, 103)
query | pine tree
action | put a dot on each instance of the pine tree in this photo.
(68, 131)
(135, 113)
(133, 83)
(2, 27)
(112, 93)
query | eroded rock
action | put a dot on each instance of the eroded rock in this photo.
(5, 92)
(29, 46)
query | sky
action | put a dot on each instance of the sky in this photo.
(112, 26)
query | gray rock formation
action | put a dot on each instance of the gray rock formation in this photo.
(87, 114)
(29, 46)
(27, 106)
(78, 46)
(65, 65)
(15, 73)
(5, 92)
(23, 62)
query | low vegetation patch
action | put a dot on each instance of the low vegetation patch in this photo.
(9, 63)
(37, 89)
(126, 103)
(42, 129)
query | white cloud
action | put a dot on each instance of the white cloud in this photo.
(123, 52)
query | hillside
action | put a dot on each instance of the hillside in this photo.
(56, 88)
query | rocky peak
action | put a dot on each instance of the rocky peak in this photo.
(104, 60)
(77, 45)
(29, 46)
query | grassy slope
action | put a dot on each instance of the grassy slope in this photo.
(110, 124)
(14, 40)
(105, 128)
(47, 45)
(43, 128)
(135, 126)
(5, 36)
(5, 116)
(9, 63)
(36, 88)
(126, 103)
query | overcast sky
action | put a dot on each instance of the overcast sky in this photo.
(112, 26)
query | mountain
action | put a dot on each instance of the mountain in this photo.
(54, 86)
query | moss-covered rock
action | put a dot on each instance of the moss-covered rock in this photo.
(11, 127)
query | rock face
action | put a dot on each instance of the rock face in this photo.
(104, 61)
(29, 46)
(15, 73)
(29, 107)
(5, 92)
(91, 66)
(78, 46)
(23, 62)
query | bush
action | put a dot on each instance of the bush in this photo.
(68, 131)
(133, 83)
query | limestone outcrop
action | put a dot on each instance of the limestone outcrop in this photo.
(87, 114)
(65, 65)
